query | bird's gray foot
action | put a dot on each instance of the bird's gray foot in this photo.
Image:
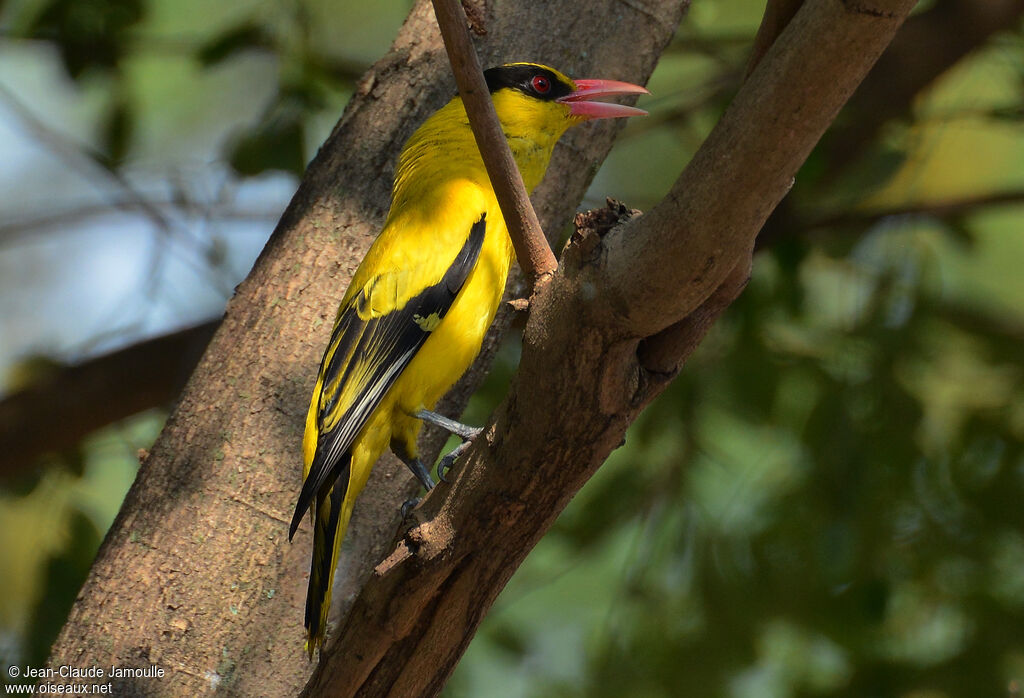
(463, 431)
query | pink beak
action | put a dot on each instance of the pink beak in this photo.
(580, 105)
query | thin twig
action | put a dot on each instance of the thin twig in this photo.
(532, 249)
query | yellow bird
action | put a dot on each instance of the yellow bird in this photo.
(416, 311)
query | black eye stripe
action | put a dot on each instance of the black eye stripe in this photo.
(521, 76)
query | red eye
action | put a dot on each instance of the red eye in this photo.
(541, 84)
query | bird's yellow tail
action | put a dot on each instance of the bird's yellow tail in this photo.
(331, 513)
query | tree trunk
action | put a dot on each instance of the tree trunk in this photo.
(196, 576)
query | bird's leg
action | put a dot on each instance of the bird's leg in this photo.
(422, 474)
(414, 464)
(419, 470)
(463, 431)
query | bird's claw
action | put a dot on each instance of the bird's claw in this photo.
(443, 466)
(449, 459)
(408, 505)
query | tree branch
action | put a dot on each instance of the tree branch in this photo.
(532, 249)
(580, 381)
(947, 208)
(58, 411)
(777, 15)
(195, 575)
(786, 223)
(60, 221)
(930, 43)
(152, 372)
(741, 172)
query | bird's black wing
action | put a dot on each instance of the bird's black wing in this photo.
(365, 357)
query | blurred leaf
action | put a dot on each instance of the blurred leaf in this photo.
(508, 638)
(959, 230)
(88, 33)
(277, 144)
(24, 482)
(1013, 113)
(278, 141)
(216, 252)
(613, 499)
(247, 36)
(789, 253)
(874, 169)
(30, 370)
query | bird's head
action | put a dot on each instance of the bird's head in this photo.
(535, 105)
(531, 98)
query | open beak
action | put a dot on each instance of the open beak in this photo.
(580, 104)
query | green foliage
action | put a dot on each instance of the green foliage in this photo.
(278, 141)
(117, 132)
(90, 34)
(51, 525)
(827, 501)
(246, 36)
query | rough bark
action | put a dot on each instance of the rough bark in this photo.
(612, 305)
(196, 575)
